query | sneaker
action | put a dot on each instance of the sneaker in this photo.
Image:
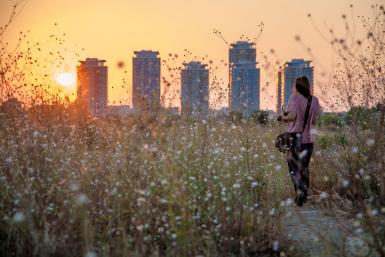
(300, 198)
(305, 198)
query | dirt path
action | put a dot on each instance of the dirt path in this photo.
(314, 233)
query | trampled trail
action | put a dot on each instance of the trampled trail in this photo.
(316, 233)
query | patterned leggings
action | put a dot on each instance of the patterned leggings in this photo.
(298, 161)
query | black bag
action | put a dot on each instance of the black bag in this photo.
(289, 141)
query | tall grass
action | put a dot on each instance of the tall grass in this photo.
(144, 186)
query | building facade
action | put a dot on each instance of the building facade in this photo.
(92, 85)
(286, 77)
(244, 78)
(146, 80)
(195, 89)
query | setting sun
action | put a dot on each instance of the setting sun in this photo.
(65, 79)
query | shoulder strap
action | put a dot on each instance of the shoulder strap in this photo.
(307, 113)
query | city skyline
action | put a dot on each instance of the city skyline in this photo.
(126, 30)
(244, 88)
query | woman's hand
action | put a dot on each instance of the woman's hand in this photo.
(290, 116)
(287, 117)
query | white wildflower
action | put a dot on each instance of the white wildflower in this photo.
(302, 154)
(275, 246)
(82, 199)
(91, 254)
(289, 201)
(370, 142)
(74, 187)
(140, 200)
(345, 183)
(9, 160)
(313, 131)
(237, 186)
(361, 171)
(18, 217)
(374, 212)
(324, 195)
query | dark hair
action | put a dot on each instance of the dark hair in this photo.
(302, 84)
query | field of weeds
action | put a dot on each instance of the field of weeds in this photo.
(149, 186)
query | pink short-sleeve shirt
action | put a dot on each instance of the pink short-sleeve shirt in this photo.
(298, 104)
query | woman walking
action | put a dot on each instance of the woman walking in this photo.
(301, 114)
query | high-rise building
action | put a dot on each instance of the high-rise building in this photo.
(286, 77)
(92, 86)
(195, 88)
(244, 78)
(146, 80)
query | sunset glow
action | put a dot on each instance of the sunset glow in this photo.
(113, 30)
(66, 79)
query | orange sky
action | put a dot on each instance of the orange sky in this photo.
(114, 29)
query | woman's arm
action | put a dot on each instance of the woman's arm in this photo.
(289, 117)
